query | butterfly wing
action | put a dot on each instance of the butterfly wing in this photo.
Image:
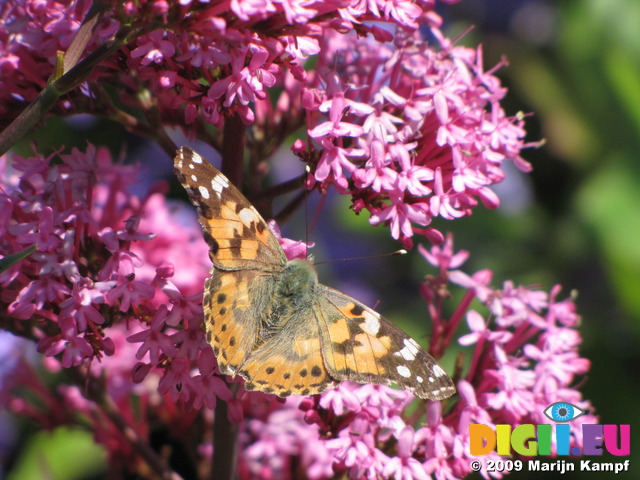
(290, 362)
(238, 236)
(234, 302)
(246, 258)
(360, 345)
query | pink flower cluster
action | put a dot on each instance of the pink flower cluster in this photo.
(423, 136)
(410, 131)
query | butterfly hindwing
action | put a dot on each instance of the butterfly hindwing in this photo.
(290, 362)
(360, 345)
(232, 313)
(236, 233)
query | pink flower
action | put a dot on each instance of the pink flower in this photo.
(341, 399)
(292, 249)
(355, 448)
(154, 48)
(154, 340)
(480, 331)
(400, 215)
(404, 466)
(335, 127)
(131, 292)
(246, 84)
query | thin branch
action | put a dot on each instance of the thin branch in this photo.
(232, 153)
(281, 189)
(225, 445)
(59, 86)
(290, 208)
(225, 434)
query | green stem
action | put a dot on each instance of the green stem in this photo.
(58, 87)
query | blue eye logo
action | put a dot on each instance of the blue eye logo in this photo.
(563, 412)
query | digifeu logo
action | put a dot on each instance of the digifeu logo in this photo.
(530, 440)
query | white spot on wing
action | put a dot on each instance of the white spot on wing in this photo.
(219, 183)
(194, 178)
(204, 192)
(419, 379)
(248, 215)
(413, 344)
(403, 371)
(195, 158)
(438, 371)
(409, 350)
(371, 323)
(448, 390)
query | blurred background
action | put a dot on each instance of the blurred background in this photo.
(574, 66)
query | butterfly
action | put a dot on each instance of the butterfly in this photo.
(271, 322)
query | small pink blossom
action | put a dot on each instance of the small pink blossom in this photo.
(154, 48)
(154, 340)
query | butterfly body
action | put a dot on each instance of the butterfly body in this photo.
(294, 291)
(269, 320)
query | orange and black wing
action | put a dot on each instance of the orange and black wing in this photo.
(290, 362)
(360, 345)
(238, 236)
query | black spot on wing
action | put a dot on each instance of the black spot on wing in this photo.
(212, 242)
(234, 245)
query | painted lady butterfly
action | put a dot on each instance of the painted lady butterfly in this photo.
(270, 321)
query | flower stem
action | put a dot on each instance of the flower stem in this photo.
(232, 153)
(225, 441)
(58, 86)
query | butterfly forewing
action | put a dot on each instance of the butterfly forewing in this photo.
(236, 233)
(360, 345)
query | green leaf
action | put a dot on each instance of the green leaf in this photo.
(62, 454)
(14, 258)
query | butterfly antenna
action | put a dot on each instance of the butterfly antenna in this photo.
(402, 251)
(306, 214)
